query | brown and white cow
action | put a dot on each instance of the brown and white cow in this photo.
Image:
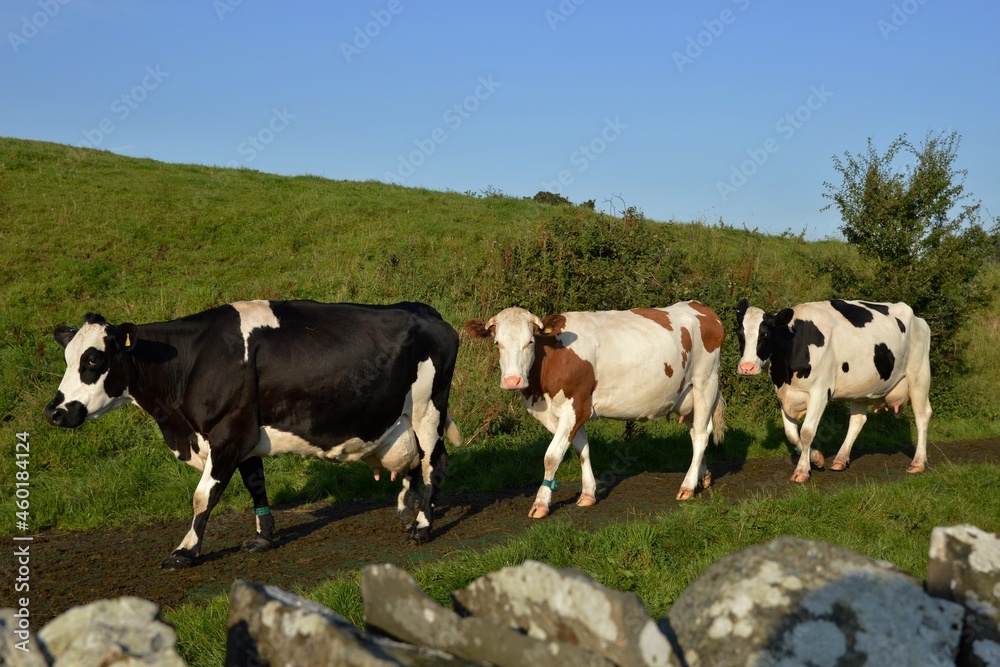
(867, 353)
(631, 364)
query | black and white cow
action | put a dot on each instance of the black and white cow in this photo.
(867, 353)
(227, 386)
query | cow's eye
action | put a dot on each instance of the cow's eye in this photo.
(92, 361)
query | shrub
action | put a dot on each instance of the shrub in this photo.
(922, 236)
(544, 197)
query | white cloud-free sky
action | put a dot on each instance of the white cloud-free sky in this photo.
(726, 109)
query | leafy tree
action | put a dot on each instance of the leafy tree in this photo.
(907, 212)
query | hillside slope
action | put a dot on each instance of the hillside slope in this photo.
(138, 240)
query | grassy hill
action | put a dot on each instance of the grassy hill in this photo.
(138, 240)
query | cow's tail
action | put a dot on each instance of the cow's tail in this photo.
(719, 421)
(452, 431)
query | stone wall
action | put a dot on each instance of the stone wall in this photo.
(782, 603)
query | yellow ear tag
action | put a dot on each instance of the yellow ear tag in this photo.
(547, 330)
(128, 341)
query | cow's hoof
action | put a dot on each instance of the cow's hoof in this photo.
(816, 458)
(685, 494)
(177, 561)
(419, 535)
(706, 481)
(586, 500)
(538, 511)
(915, 469)
(838, 466)
(257, 545)
(800, 477)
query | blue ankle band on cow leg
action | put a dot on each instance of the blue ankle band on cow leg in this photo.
(551, 483)
(261, 511)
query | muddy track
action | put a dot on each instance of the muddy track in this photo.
(316, 542)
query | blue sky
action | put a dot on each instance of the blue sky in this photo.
(726, 109)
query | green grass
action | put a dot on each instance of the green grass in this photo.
(143, 241)
(138, 240)
(658, 558)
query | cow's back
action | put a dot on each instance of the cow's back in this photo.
(866, 347)
(338, 371)
(642, 359)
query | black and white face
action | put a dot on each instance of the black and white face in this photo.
(96, 379)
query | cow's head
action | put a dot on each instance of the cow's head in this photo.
(97, 371)
(513, 331)
(757, 332)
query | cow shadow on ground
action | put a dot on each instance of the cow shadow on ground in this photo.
(618, 452)
(883, 432)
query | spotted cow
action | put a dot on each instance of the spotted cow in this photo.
(633, 365)
(339, 382)
(866, 353)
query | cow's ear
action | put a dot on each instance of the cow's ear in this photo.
(741, 310)
(479, 329)
(552, 325)
(64, 335)
(127, 336)
(783, 318)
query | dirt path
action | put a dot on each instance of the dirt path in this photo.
(314, 543)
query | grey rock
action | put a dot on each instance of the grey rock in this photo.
(18, 650)
(568, 606)
(801, 602)
(125, 632)
(395, 605)
(964, 566)
(270, 626)
(981, 653)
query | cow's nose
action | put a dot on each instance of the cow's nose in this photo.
(747, 368)
(55, 416)
(512, 382)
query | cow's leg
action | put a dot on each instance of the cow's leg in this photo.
(859, 415)
(588, 494)
(228, 444)
(922, 416)
(432, 468)
(791, 429)
(252, 472)
(699, 430)
(553, 457)
(214, 479)
(406, 502)
(814, 412)
(792, 433)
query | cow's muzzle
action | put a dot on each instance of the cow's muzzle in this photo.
(69, 416)
(748, 368)
(512, 382)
